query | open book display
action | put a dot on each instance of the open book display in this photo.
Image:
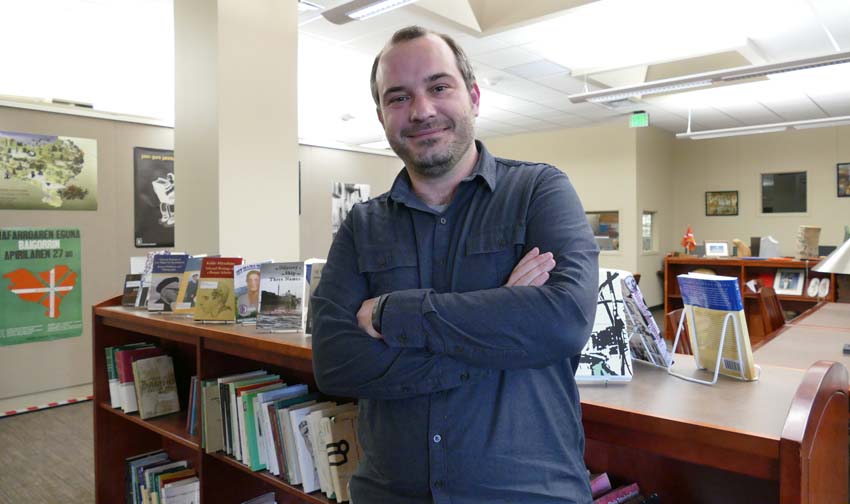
(717, 326)
(607, 356)
(645, 340)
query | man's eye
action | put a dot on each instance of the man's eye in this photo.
(440, 88)
(397, 99)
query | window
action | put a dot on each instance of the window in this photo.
(647, 231)
(783, 192)
(606, 229)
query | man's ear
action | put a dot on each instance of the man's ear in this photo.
(380, 115)
(475, 97)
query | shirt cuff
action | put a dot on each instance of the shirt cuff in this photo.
(401, 321)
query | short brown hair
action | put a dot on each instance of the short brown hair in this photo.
(414, 32)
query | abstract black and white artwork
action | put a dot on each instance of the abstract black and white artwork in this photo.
(606, 356)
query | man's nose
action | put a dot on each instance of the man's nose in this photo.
(421, 109)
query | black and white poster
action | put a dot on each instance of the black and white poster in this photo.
(607, 356)
(154, 197)
(343, 197)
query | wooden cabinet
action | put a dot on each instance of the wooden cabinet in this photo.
(745, 270)
(208, 351)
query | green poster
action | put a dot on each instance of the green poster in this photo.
(40, 285)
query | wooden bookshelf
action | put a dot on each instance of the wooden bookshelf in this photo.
(745, 270)
(205, 350)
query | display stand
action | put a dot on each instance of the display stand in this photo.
(643, 342)
(730, 317)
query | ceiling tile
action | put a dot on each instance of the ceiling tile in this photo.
(706, 118)
(537, 69)
(795, 108)
(566, 84)
(750, 114)
(504, 58)
(473, 46)
(836, 104)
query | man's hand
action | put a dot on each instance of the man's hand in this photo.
(532, 270)
(364, 317)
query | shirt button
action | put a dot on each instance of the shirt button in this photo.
(437, 438)
(442, 220)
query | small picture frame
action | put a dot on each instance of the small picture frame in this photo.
(721, 203)
(789, 282)
(842, 173)
(714, 248)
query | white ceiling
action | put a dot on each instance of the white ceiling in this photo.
(527, 72)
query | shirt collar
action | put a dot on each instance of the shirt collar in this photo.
(485, 168)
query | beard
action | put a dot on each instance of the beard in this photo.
(426, 157)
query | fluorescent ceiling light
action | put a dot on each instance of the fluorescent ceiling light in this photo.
(362, 9)
(305, 6)
(765, 128)
(706, 78)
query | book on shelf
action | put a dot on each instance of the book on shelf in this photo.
(215, 301)
(619, 495)
(342, 450)
(124, 362)
(246, 290)
(148, 477)
(132, 282)
(165, 281)
(224, 402)
(318, 444)
(189, 282)
(156, 389)
(645, 340)
(131, 477)
(182, 491)
(308, 472)
(600, 484)
(276, 411)
(293, 467)
(313, 276)
(607, 356)
(708, 300)
(262, 423)
(248, 423)
(237, 441)
(282, 287)
(112, 371)
(178, 482)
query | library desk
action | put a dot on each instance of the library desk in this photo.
(778, 440)
(817, 334)
(834, 315)
(734, 442)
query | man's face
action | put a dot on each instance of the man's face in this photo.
(253, 282)
(427, 113)
(169, 292)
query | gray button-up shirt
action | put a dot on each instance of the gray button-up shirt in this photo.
(470, 397)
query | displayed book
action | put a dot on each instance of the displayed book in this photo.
(708, 299)
(215, 301)
(282, 287)
(137, 264)
(124, 362)
(144, 287)
(343, 450)
(645, 340)
(619, 495)
(156, 389)
(607, 357)
(246, 289)
(165, 281)
(319, 443)
(314, 276)
(132, 282)
(189, 286)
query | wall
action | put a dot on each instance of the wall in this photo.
(735, 163)
(106, 242)
(319, 168)
(600, 162)
(654, 187)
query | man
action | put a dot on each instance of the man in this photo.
(452, 305)
(167, 290)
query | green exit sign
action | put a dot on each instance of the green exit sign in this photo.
(639, 119)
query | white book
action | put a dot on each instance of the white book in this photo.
(308, 475)
(319, 442)
(114, 393)
(185, 491)
(127, 391)
(288, 440)
(147, 476)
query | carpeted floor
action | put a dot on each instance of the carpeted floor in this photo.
(47, 456)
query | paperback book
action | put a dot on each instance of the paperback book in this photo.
(246, 289)
(607, 356)
(215, 301)
(165, 281)
(144, 287)
(132, 282)
(645, 341)
(189, 282)
(281, 296)
(156, 389)
(314, 276)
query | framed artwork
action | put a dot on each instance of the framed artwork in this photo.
(842, 171)
(716, 248)
(789, 282)
(721, 203)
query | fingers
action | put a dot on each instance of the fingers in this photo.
(529, 270)
(364, 318)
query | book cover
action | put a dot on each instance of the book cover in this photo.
(130, 465)
(112, 371)
(619, 495)
(156, 388)
(281, 296)
(606, 356)
(215, 301)
(318, 443)
(343, 450)
(314, 276)
(132, 282)
(708, 299)
(189, 286)
(144, 287)
(263, 422)
(246, 289)
(224, 403)
(165, 281)
(250, 446)
(600, 484)
(237, 430)
(290, 447)
(277, 452)
(645, 340)
(124, 362)
(213, 431)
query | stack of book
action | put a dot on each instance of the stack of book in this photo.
(141, 379)
(284, 429)
(603, 492)
(154, 478)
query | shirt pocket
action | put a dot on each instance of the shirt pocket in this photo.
(491, 256)
(389, 269)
